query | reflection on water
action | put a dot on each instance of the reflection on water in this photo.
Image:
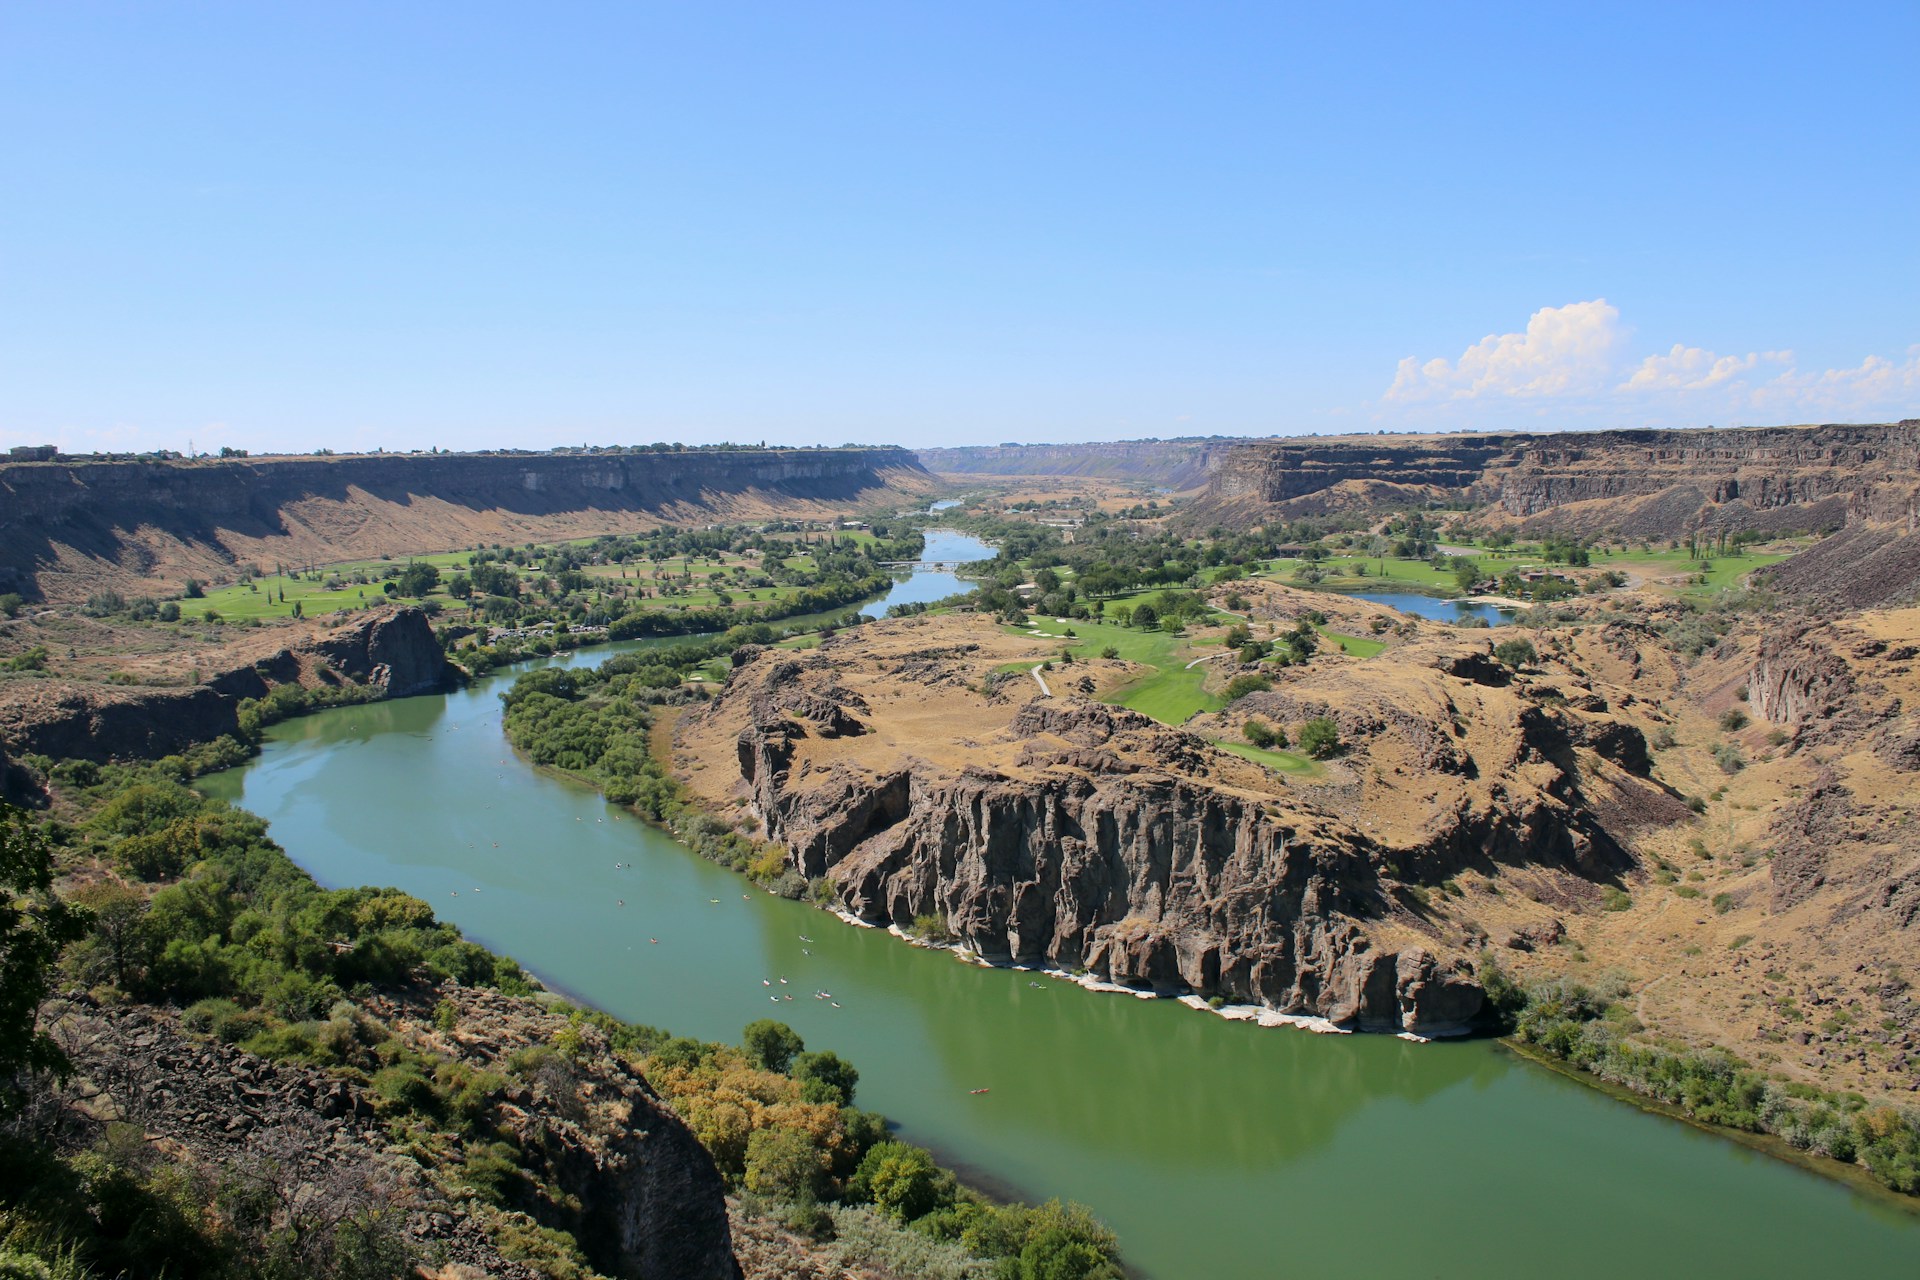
(1216, 1149)
(1435, 608)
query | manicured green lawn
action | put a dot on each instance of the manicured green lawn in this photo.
(1172, 695)
(1283, 761)
(261, 598)
(1357, 646)
(1724, 574)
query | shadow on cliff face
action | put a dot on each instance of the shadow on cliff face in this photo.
(126, 517)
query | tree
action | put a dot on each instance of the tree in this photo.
(34, 927)
(194, 591)
(826, 1077)
(770, 1045)
(120, 929)
(903, 1181)
(1054, 1254)
(785, 1164)
(418, 579)
(1515, 653)
(1263, 735)
(1320, 737)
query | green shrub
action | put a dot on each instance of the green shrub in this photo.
(1245, 683)
(1320, 738)
(1516, 653)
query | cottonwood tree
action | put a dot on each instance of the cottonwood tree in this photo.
(35, 925)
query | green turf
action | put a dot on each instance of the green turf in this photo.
(1171, 695)
(1357, 646)
(1283, 761)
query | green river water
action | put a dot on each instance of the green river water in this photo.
(1215, 1149)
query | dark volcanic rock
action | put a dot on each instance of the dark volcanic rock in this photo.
(395, 652)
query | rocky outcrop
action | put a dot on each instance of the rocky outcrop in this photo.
(1068, 833)
(68, 528)
(1091, 837)
(1796, 678)
(631, 1182)
(394, 653)
(109, 722)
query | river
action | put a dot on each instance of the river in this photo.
(1214, 1148)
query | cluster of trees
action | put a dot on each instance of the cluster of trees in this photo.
(1589, 1028)
(831, 593)
(782, 1128)
(198, 908)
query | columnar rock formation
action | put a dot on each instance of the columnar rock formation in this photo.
(1063, 832)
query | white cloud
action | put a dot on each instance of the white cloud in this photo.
(1692, 369)
(1876, 384)
(1566, 350)
(1571, 360)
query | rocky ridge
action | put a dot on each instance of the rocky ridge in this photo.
(388, 653)
(1066, 833)
(636, 1189)
(1633, 483)
(68, 529)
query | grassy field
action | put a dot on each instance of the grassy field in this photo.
(262, 596)
(1356, 646)
(1361, 573)
(1172, 695)
(1280, 761)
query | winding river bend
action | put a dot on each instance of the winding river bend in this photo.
(1214, 1148)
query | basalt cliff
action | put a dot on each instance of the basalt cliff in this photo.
(390, 653)
(1664, 484)
(67, 529)
(1631, 483)
(1046, 828)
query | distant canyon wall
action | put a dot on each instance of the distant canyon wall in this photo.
(1172, 464)
(1635, 483)
(68, 528)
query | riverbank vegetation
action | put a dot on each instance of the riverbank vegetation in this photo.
(173, 899)
(1591, 1029)
(587, 581)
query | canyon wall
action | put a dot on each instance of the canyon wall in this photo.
(69, 528)
(392, 654)
(1173, 464)
(1635, 483)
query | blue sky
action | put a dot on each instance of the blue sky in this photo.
(281, 227)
